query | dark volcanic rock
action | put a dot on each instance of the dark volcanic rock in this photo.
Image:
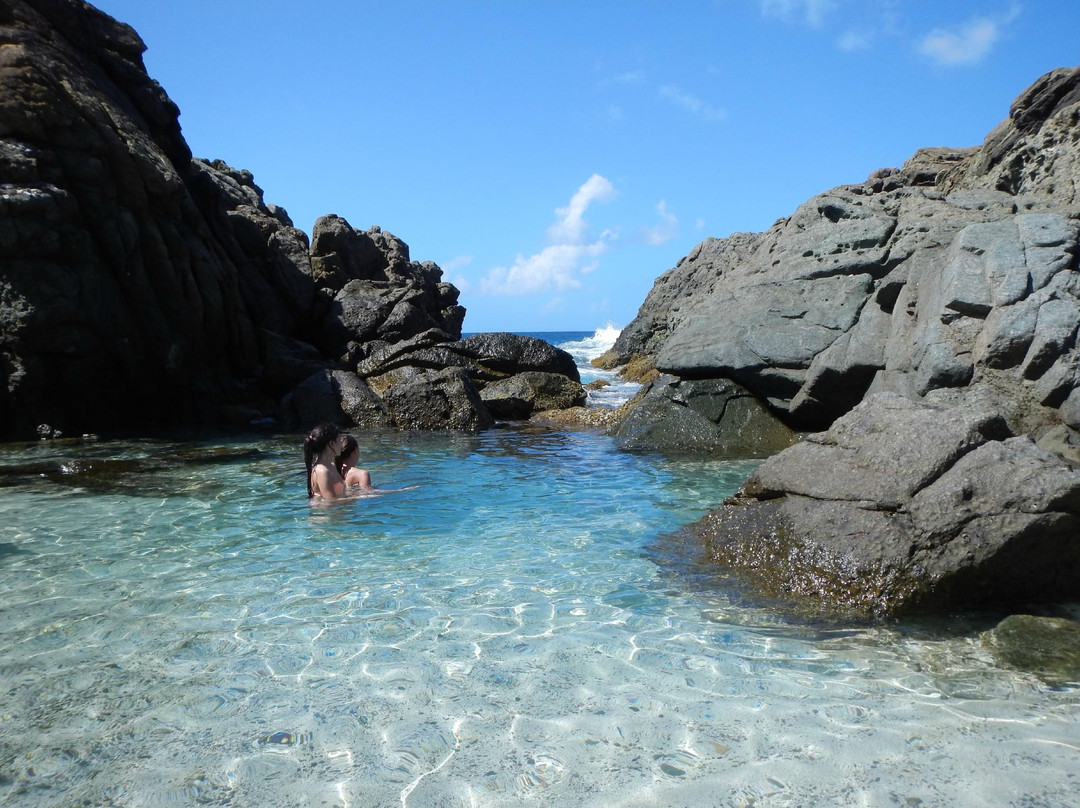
(377, 293)
(338, 397)
(511, 353)
(437, 400)
(116, 295)
(141, 286)
(516, 376)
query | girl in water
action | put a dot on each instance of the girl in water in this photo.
(321, 448)
(346, 465)
(330, 458)
(356, 478)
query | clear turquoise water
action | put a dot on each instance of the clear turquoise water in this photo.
(515, 632)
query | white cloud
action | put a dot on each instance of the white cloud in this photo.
(965, 45)
(613, 112)
(813, 12)
(555, 267)
(633, 77)
(691, 103)
(970, 42)
(559, 265)
(570, 226)
(666, 230)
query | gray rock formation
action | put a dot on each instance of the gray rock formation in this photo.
(958, 270)
(934, 311)
(140, 286)
(901, 506)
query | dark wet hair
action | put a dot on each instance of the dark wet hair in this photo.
(350, 446)
(317, 440)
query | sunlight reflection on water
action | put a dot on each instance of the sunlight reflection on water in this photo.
(179, 632)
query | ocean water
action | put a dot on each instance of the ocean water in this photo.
(179, 627)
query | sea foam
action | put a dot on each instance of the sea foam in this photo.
(588, 348)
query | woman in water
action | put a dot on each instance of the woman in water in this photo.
(346, 465)
(321, 448)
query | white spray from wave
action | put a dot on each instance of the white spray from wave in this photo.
(590, 348)
(584, 350)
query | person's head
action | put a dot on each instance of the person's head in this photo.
(348, 454)
(316, 442)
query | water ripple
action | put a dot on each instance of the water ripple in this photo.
(510, 633)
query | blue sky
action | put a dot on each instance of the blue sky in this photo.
(555, 157)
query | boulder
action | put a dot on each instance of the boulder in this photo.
(884, 451)
(516, 376)
(443, 400)
(903, 507)
(359, 403)
(717, 416)
(375, 293)
(512, 353)
(523, 394)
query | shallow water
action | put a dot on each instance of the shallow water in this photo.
(180, 627)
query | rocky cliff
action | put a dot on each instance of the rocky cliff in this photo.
(942, 292)
(141, 286)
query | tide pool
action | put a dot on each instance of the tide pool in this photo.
(180, 627)
(183, 628)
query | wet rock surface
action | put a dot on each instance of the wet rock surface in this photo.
(904, 507)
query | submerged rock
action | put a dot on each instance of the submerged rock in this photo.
(1048, 647)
